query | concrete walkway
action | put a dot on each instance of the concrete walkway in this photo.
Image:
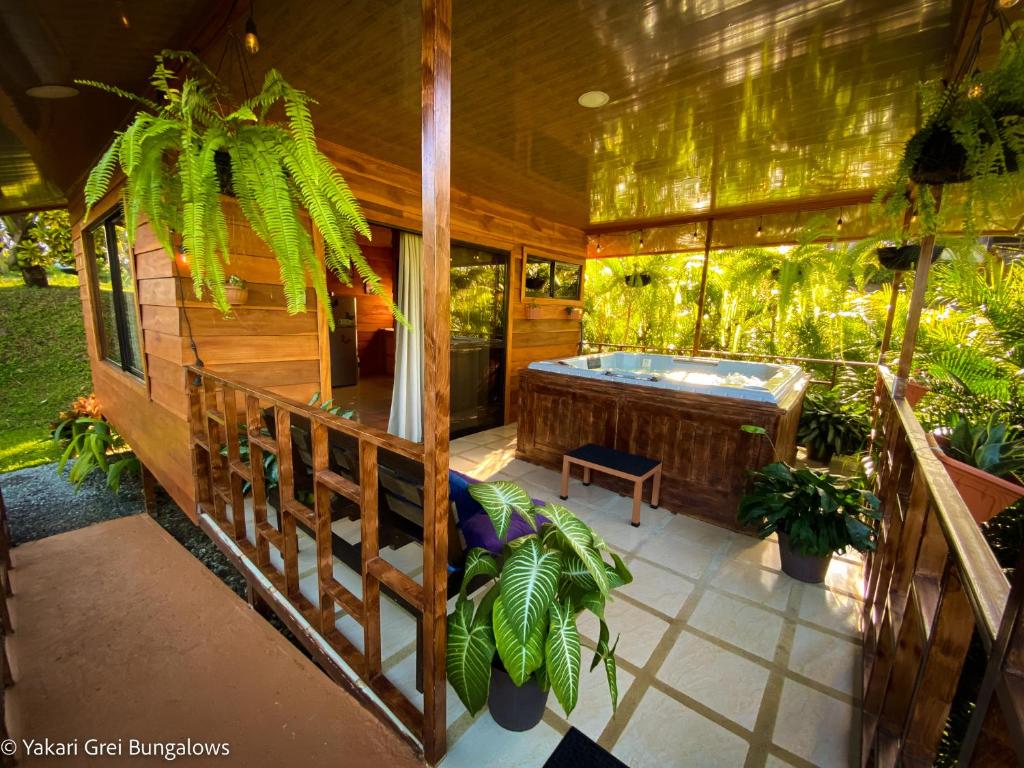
(121, 635)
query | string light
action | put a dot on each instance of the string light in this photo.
(760, 228)
(251, 40)
(913, 217)
(641, 239)
(975, 91)
(599, 244)
(839, 221)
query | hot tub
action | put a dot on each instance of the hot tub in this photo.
(723, 378)
(685, 412)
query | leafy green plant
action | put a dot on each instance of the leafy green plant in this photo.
(991, 446)
(821, 513)
(973, 134)
(527, 617)
(169, 156)
(831, 426)
(236, 281)
(90, 440)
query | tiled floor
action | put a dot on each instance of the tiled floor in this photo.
(723, 660)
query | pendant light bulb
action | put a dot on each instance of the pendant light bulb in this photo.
(641, 239)
(599, 245)
(760, 229)
(839, 221)
(251, 39)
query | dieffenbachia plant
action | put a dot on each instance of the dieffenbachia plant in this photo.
(541, 583)
(171, 157)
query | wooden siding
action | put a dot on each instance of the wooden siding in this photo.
(261, 344)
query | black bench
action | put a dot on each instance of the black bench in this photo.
(618, 463)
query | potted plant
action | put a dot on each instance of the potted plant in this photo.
(900, 258)
(637, 280)
(174, 155)
(536, 282)
(235, 291)
(520, 641)
(985, 461)
(829, 426)
(814, 513)
(574, 313)
(971, 135)
(533, 311)
(917, 388)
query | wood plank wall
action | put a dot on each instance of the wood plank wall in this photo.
(262, 345)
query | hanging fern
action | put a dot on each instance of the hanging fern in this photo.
(168, 156)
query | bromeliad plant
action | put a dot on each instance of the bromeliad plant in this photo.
(541, 583)
(169, 156)
(991, 446)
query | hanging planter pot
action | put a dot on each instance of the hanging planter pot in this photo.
(574, 313)
(236, 291)
(533, 312)
(637, 280)
(536, 283)
(900, 258)
(941, 159)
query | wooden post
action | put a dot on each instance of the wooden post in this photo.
(703, 288)
(897, 282)
(436, 98)
(924, 263)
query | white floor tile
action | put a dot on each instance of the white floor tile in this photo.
(660, 589)
(640, 630)
(662, 733)
(749, 627)
(826, 659)
(486, 743)
(815, 726)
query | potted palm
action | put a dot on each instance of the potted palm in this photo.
(985, 461)
(814, 513)
(520, 640)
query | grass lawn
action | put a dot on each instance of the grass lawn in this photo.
(44, 365)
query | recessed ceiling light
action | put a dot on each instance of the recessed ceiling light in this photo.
(593, 99)
(52, 91)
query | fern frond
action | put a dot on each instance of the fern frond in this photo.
(148, 103)
(98, 183)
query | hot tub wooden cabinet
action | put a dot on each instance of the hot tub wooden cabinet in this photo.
(697, 437)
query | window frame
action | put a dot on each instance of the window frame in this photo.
(552, 260)
(128, 364)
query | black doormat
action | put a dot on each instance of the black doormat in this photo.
(575, 750)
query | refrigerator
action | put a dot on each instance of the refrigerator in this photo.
(344, 342)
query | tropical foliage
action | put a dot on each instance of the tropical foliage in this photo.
(973, 136)
(833, 425)
(170, 155)
(821, 513)
(527, 616)
(34, 239)
(992, 446)
(93, 445)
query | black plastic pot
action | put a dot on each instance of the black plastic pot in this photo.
(535, 283)
(515, 708)
(941, 159)
(810, 569)
(900, 258)
(35, 276)
(640, 280)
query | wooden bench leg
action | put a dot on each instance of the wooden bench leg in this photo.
(586, 475)
(638, 491)
(565, 479)
(656, 490)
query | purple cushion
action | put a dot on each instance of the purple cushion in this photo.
(479, 530)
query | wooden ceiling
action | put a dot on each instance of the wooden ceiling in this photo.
(714, 103)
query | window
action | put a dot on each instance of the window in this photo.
(115, 293)
(547, 278)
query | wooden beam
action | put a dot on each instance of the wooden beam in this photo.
(766, 208)
(897, 281)
(924, 263)
(703, 288)
(436, 101)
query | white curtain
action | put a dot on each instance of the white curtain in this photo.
(407, 397)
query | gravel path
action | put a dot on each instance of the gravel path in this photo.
(40, 503)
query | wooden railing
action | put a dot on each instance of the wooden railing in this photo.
(931, 584)
(833, 365)
(219, 408)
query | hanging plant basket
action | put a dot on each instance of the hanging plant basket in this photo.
(536, 283)
(637, 280)
(574, 313)
(941, 159)
(236, 295)
(900, 258)
(533, 312)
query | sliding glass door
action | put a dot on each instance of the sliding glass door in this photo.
(479, 280)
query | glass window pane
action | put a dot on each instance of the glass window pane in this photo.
(105, 296)
(567, 280)
(538, 276)
(127, 297)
